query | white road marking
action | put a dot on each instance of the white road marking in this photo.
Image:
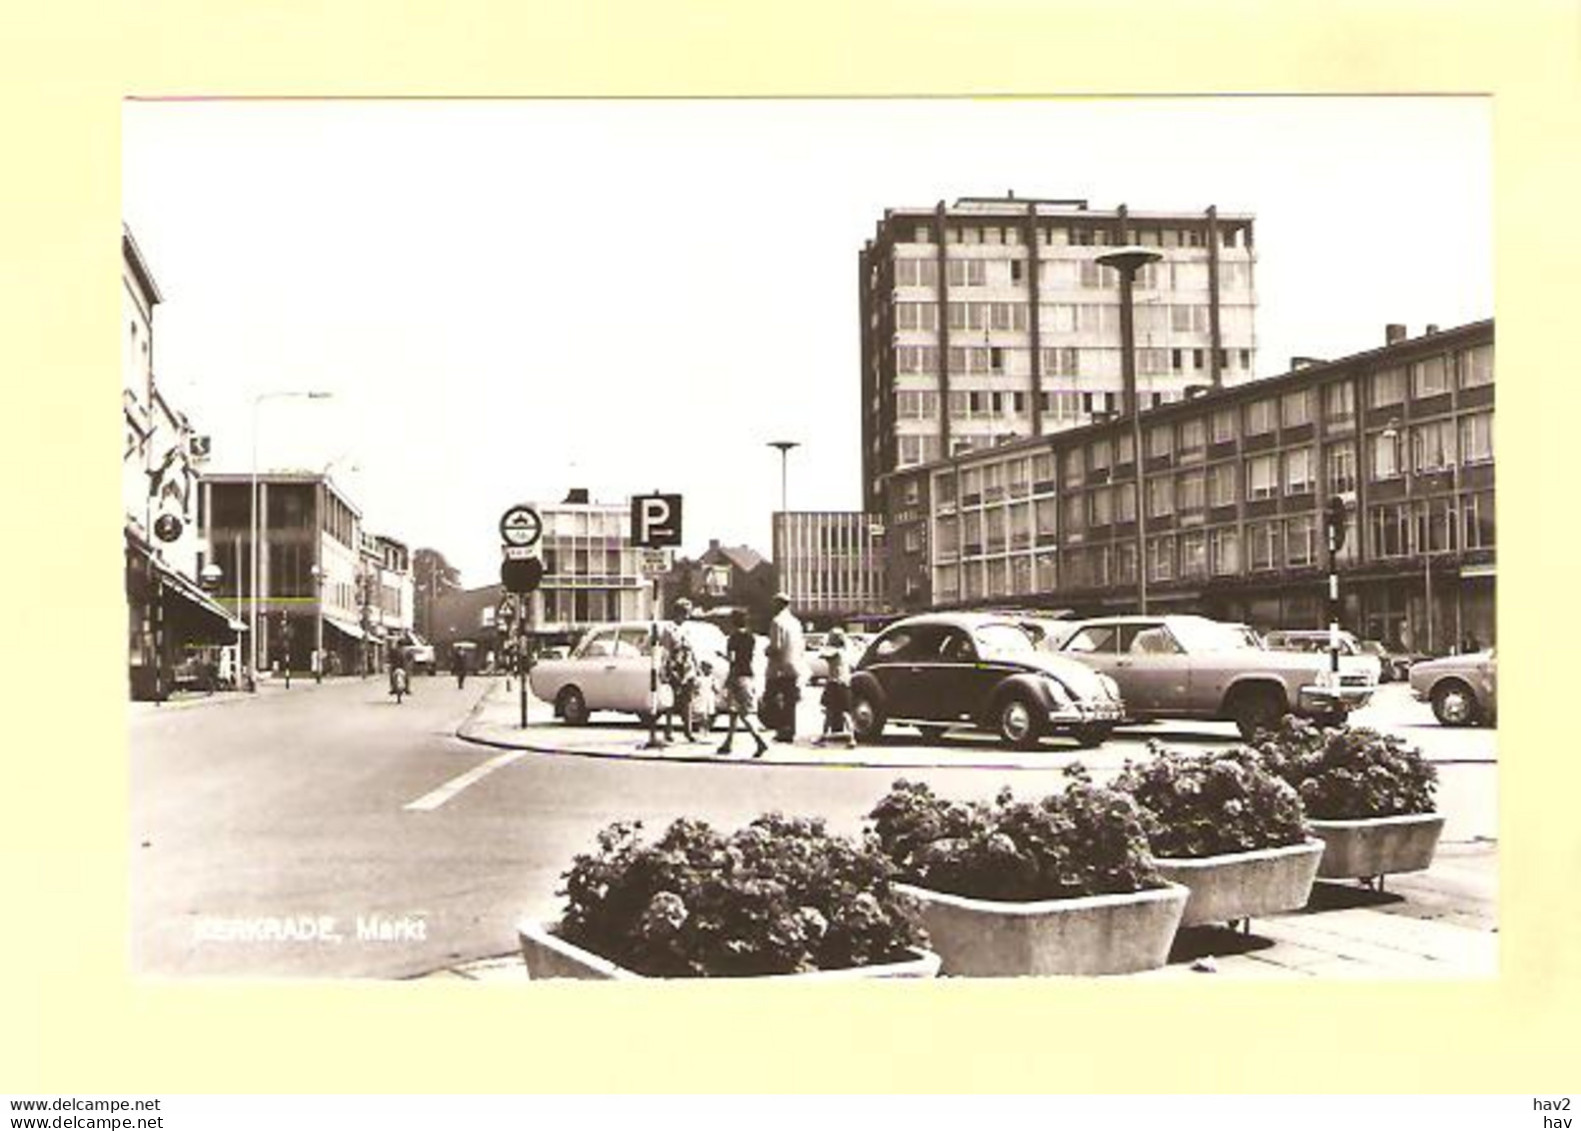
(455, 785)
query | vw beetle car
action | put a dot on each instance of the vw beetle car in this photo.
(1462, 689)
(1195, 668)
(946, 671)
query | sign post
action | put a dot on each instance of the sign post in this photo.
(521, 572)
(655, 524)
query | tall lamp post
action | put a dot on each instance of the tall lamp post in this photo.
(317, 572)
(1128, 261)
(258, 523)
(784, 447)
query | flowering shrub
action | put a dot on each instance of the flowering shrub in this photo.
(780, 896)
(1348, 773)
(1084, 841)
(1210, 804)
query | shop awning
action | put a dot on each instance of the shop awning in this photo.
(345, 627)
(192, 594)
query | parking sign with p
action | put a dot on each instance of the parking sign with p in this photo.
(656, 520)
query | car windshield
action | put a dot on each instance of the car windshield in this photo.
(1210, 636)
(1002, 638)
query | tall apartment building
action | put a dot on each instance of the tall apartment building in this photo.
(991, 319)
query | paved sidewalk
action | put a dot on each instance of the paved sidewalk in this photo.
(267, 688)
(1436, 924)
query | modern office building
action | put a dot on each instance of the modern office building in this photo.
(316, 591)
(174, 629)
(1234, 483)
(991, 320)
(831, 564)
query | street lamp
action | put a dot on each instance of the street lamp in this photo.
(1128, 260)
(210, 578)
(785, 447)
(259, 524)
(317, 572)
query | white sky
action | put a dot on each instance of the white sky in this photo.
(511, 298)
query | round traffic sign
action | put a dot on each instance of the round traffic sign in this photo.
(521, 526)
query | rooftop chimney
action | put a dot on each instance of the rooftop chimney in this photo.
(1394, 333)
(1432, 328)
(576, 495)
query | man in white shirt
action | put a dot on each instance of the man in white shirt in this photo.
(786, 663)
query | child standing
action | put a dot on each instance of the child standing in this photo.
(740, 694)
(837, 692)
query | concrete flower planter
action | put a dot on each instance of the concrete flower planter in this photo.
(1377, 846)
(1101, 934)
(1240, 885)
(549, 956)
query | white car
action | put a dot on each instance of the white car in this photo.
(818, 663)
(1357, 666)
(610, 670)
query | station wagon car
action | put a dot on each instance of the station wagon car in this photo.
(1196, 668)
(946, 671)
(1462, 689)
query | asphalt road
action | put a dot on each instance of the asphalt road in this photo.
(327, 831)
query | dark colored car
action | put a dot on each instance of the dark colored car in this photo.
(947, 671)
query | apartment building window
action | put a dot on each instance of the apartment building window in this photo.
(1225, 551)
(1339, 405)
(921, 233)
(1020, 518)
(1476, 512)
(1189, 319)
(994, 529)
(1160, 497)
(916, 273)
(1433, 446)
(968, 359)
(1152, 362)
(1246, 359)
(916, 450)
(1046, 515)
(1262, 417)
(1075, 513)
(1095, 275)
(1223, 426)
(1193, 555)
(1476, 438)
(916, 405)
(972, 533)
(1300, 474)
(1020, 575)
(1389, 528)
(1008, 316)
(1429, 377)
(1016, 270)
(1075, 468)
(1340, 469)
(1161, 559)
(967, 272)
(1098, 454)
(1160, 441)
(1060, 361)
(1125, 502)
(1263, 544)
(972, 486)
(1433, 523)
(1386, 387)
(1221, 485)
(993, 481)
(1193, 439)
(1102, 506)
(1475, 366)
(944, 491)
(1262, 477)
(917, 315)
(1191, 491)
(947, 535)
(1301, 540)
(1060, 406)
(1295, 409)
(1124, 449)
(1386, 457)
(1017, 471)
(1059, 318)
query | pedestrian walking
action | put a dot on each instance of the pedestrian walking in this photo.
(680, 673)
(459, 662)
(786, 651)
(740, 689)
(836, 699)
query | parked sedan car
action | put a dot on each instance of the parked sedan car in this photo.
(1357, 666)
(609, 670)
(1196, 668)
(1462, 689)
(947, 671)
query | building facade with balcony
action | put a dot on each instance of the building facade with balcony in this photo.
(991, 319)
(174, 628)
(831, 565)
(1234, 482)
(311, 567)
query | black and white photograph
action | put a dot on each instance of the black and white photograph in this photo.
(822, 538)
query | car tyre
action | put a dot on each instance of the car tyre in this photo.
(1255, 709)
(1454, 704)
(867, 717)
(1092, 734)
(1016, 723)
(572, 707)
